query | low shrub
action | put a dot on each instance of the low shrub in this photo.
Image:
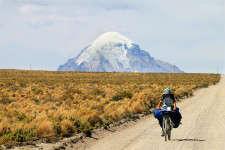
(121, 95)
(5, 100)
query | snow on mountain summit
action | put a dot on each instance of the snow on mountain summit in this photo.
(110, 45)
(111, 38)
(113, 52)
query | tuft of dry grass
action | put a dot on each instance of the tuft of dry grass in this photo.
(67, 128)
(49, 105)
(45, 129)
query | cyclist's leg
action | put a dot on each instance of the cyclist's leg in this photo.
(161, 125)
(161, 122)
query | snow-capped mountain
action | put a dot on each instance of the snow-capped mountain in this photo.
(113, 52)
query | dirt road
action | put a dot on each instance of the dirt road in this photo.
(203, 127)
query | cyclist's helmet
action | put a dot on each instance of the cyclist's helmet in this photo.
(167, 90)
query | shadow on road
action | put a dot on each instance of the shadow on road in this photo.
(111, 130)
(93, 138)
(189, 140)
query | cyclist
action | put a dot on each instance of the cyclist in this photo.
(168, 100)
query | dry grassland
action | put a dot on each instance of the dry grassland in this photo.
(52, 105)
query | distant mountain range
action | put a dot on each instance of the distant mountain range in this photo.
(113, 52)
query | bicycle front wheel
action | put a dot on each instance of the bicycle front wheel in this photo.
(165, 126)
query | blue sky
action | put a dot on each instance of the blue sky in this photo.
(45, 33)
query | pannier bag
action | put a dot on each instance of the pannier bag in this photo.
(175, 116)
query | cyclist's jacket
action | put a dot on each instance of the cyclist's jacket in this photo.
(168, 100)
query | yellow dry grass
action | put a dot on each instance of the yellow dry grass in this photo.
(39, 104)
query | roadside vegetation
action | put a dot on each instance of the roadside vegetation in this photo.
(51, 105)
